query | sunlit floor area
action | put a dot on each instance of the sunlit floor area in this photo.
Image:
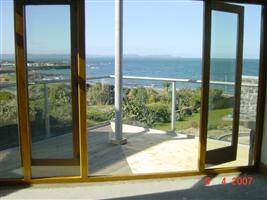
(146, 151)
(171, 188)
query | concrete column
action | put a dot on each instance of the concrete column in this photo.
(173, 118)
(117, 137)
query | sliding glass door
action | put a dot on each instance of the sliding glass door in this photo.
(169, 107)
(50, 69)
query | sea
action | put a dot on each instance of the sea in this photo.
(222, 69)
(178, 68)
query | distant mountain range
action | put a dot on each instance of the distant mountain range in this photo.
(66, 57)
(56, 57)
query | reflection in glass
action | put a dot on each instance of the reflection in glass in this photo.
(222, 69)
(10, 159)
(222, 97)
(49, 87)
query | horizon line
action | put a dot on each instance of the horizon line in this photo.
(126, 55)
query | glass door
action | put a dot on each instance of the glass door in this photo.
(50, 53)
(224, 82)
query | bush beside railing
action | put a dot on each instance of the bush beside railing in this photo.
(50, 104)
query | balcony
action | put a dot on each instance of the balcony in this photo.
(62, 121)
(154, 145)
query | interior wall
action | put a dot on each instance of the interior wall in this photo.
(264, 140)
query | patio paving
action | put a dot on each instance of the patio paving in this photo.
(147, 151)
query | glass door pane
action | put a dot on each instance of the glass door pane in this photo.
(50, 90)
(224, 84)
(222, 69)
(10, 159)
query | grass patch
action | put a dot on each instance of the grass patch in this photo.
(215, 121)
(215, 118)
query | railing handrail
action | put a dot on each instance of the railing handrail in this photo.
(159, 79)
(172, 80)
(183, 80)
(192, 81)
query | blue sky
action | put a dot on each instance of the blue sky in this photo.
(150, 28)
(223, 43)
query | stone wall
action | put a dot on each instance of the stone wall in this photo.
(249, 93)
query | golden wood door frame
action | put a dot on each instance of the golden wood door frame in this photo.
(77, 73)
(83, 177)
(205, 83)
(228, 153)
(22, 91)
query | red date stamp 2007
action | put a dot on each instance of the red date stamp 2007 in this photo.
(246, 180)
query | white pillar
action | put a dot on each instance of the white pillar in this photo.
(173, 119)
(117, 137)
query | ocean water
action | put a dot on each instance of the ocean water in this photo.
(169, 67)
(180, 68)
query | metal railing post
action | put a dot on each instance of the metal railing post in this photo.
(173, 117)
(46, 111)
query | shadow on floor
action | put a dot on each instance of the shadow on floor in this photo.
(5, 190)
(257, 190)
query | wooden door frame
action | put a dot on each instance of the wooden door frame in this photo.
(77, 84)
(23, 117)
(227, 153)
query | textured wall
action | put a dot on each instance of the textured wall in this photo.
(249, 93)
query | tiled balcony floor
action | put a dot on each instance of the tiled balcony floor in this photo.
(147, 151)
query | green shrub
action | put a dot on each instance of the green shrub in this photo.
(138, 111)
(100, 114)
(138, 95)
(36, 92)
(189, 98)
(162, 111)
(60, 94)
(8, 112)
(6, 96)
(184, 103)
(153, 96)
(165, 97)
(151, 99)
(8, 108)
(144, 95)
(60, 103)
(100, 94)
(97, 116)
(196, 99)
(131, 94)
